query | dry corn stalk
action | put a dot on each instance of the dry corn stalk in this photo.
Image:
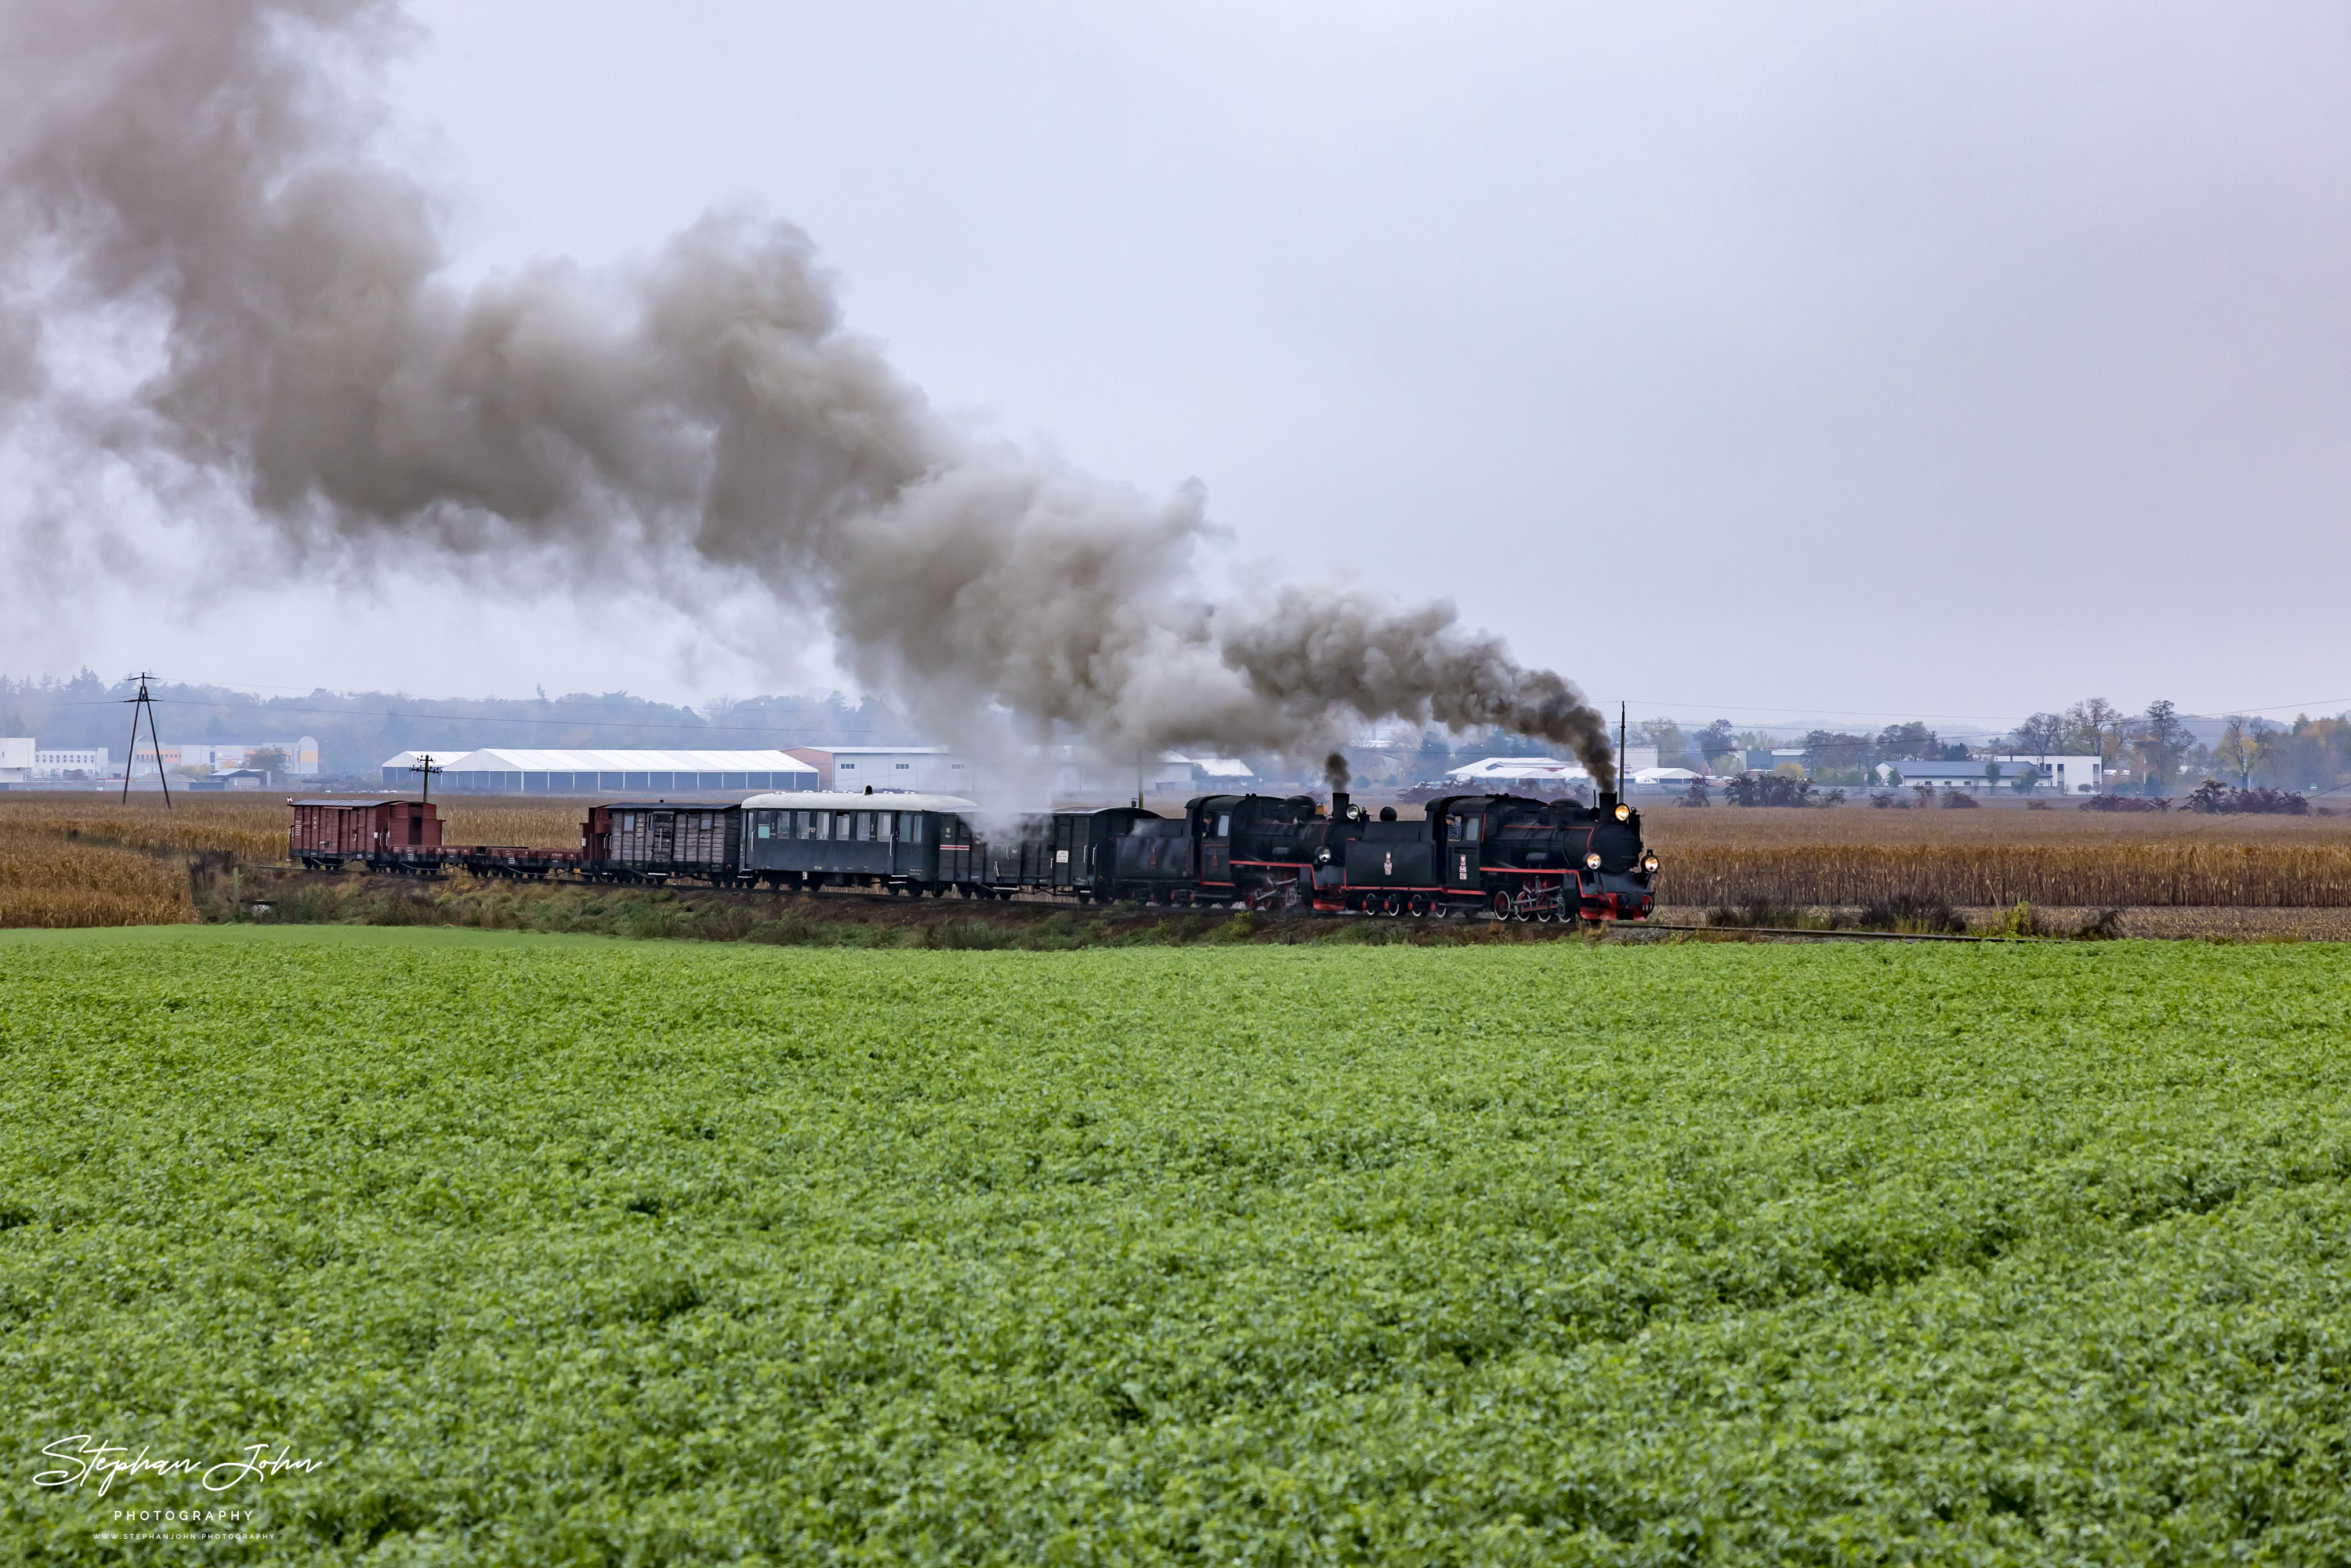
(2243, 875)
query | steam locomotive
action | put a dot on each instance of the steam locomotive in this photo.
(1508, 855)
(1505, 855)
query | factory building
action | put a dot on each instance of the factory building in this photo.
(301, 756)
(64, 762)
(505, 771)
(927, 769)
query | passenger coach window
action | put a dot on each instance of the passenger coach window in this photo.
(841, 827)
(765, 818)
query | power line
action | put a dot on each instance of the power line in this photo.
(491, 718)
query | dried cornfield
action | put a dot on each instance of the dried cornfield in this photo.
(249, 828)
(2235, 874)
(88, 859)
(252, 827)
(1675, 831)
(49, 880)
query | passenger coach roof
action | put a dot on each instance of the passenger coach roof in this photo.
(843, 801)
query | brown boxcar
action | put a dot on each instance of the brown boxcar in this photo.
(325, 833)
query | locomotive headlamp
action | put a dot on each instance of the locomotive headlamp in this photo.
(1592, 860)
(1624, 813)
(1650, 865)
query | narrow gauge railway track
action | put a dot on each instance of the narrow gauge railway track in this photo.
(858, 897)
(997, 900)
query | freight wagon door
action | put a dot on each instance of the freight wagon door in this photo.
(661, 844)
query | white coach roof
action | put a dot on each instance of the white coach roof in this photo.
(842, 800)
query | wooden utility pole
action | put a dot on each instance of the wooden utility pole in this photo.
(424, 765)
(145, 704)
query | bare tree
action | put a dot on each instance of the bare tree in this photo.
(2160, 739)
(2039, 735)
(2094, 727)
(2240, 750)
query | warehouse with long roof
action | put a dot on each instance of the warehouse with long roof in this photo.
(505, 771)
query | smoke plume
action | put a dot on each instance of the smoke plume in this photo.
(203, 165)
(1335, 773)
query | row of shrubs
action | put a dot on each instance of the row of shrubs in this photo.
(1928, 915)
(2211, 796)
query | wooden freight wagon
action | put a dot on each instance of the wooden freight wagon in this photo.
(640, 840)
(325, 833)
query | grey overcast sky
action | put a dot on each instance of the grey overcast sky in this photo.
(1775, 361)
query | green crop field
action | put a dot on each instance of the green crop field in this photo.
(569, 1251)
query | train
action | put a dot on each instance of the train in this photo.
(1507, 856)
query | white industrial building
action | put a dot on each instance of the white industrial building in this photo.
(301, 756)
(2052, 775)
(507, 771)
(22, 760)
(1520, 771)
(399, 768)
(932, 769)
(2059, 775)
(63, 762)
(1551, 769)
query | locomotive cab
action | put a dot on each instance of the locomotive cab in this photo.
(1257, 849)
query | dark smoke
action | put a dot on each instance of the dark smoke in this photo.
(200, 166)
(1335, 773)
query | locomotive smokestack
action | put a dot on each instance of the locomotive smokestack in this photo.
(1335, 773)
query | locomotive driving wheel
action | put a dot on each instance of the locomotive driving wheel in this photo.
(1501, 904)
(1418, 906)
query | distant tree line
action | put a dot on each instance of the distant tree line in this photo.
(2155, 746)
(356, 730)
